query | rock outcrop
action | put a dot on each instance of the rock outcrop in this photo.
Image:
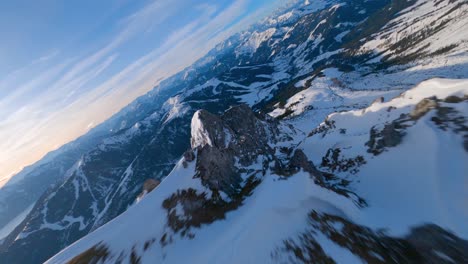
(239, 136)
(148, 186)
(423, 107)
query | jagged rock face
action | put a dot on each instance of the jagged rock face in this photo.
(251, 133)
(221, 141)
(224, 149)
(292, 164)
(216, 169)
(390, 136)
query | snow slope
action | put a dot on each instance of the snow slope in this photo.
(421, 179)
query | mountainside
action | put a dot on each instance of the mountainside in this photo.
(25, 188)
(290, 187)
(254, 190)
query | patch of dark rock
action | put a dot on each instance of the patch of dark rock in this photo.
(148, 186)
(295, 163)
(437, 245)
(423, 107)
(444, 50)
(121, 258)
(294, 104)
(286, 150)
(445, 117)
(379, 100)
(305, 250)
(299, 160)
(148, 244)
(216, 169)
(323, 128)
(425, 244)
(198, 209)
(452, 99)
(371, 246)
(96, 254)
(391, 108)
(286, 114)
(390, 136)
(134, 258)
(189, 155)
(334, 163)
(339, 186)
(338, 83)
(448, 118)
(165, 239)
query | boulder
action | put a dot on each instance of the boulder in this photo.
(423, 107)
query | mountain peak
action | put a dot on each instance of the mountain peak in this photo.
(224, 142)
(208, 129)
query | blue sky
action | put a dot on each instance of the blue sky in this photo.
(66, 66)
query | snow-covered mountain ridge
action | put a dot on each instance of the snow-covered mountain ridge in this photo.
(299, 66)
(271, 223)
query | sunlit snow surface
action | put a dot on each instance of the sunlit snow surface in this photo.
(421, 180)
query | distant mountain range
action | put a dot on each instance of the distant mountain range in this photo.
(324, 133)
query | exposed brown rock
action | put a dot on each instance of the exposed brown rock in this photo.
(189, 156)
(96, 254)
(150, 184)
(423, 107)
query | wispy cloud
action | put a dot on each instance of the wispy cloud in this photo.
(62, 102)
